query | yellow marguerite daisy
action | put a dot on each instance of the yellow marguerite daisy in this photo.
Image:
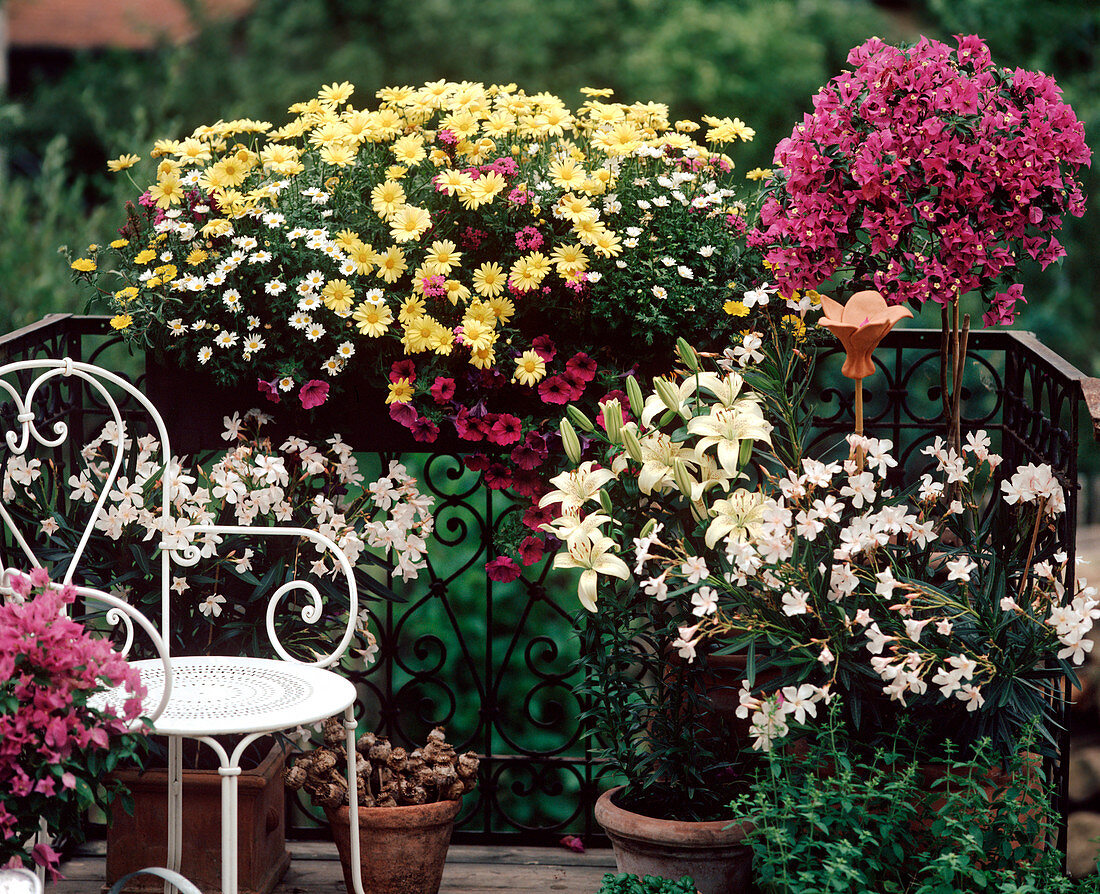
(567, 174)
(530, 368)
(391, 264)
(337, 295)
(144, 256)
(503, 308)
(409, 223)
(569, 259)
(372, 319)
(122, 163)
(386, 197)
(478, 335)
(409, 149)
(121, 321)
(167, 191)
(442, 257)
(83, 265)
(489, 279)
(411, 308)
(400, 392)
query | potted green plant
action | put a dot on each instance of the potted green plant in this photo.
(56, 748)
(832, 816)
(649, 472)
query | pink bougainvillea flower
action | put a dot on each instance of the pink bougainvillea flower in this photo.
(502, 569)
(270, 390)
(313, 393)
(913, 141)
(860, 325)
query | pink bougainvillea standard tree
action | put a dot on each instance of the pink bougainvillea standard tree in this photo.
(926, 173)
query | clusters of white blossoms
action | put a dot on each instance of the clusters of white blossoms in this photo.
(297, 484)
(721, 422)
(832, 560)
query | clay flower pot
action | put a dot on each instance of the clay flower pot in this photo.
(713, 854)
(401, 849)
(860, 325)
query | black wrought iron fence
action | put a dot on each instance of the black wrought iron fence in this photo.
(494, 661)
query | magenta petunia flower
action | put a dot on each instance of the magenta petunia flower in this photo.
(531, 549)
(403, 369)
(502, 569)
(270, 390)
(555, 390)
(544, 346)
(313, 393)
(506, 429)
(443, 389)
(424, 430)
(498, 476)
(582, 367)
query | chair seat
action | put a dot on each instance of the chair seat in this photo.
(224, 694)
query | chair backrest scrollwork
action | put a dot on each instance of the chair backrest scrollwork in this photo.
(32, 419)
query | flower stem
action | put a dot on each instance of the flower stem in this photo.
(1031, 546)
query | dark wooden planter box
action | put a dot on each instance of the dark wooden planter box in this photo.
(137, 841)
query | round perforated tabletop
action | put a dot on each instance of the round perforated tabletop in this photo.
(226, 694)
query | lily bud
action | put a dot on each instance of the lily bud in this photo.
(682, 477)
(634, 392)
(648, 527)
(633, 445)
(570, 442)
(746, 453)
(605, 502)
(579, 419)
(687, 354)
(613, 420)
(670, 397)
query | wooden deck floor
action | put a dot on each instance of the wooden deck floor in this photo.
(471, 869)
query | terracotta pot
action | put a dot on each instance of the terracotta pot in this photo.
(137, 841)
(401, 849)
(713, 853)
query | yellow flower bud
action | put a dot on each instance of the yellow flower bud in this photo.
(682, 477)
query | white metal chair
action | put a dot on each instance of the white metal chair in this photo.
(196, 697)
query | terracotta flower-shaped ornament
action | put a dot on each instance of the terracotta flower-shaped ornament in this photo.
(860, 325)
